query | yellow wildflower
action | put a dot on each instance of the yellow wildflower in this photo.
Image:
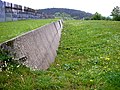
(91, 80)
(107, 58)
(109, 69)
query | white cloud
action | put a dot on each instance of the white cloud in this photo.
(101, 6)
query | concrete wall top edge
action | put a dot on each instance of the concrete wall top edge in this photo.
(12, 39)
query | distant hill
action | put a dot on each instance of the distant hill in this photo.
(76, 14)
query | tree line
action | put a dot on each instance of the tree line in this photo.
(77, 14)
(115, 14)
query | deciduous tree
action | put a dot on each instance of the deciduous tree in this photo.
(97, 16)
(116, 13)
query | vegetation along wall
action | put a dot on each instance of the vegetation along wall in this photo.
(37, 48)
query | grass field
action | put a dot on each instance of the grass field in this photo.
(9, 30)
(88, 59)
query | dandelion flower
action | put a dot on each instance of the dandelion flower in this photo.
(91, 80)
(107, 58)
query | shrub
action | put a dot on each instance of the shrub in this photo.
(97, 16)
(6, 61)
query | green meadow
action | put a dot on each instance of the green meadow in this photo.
(88, 59)
(10, 30)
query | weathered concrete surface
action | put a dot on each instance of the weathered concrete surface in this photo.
(37, 48)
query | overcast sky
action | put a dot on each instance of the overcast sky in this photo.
(101, 6)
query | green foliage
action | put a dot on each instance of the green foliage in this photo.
(87, 18)
(76, 14)
(108, 18)
(116, 13)
(88, 59)
(6, 61)
(21, 78)
(63, 16)
(97, 16)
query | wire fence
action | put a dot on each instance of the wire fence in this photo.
(12, 12)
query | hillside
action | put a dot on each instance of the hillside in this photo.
(88, 58)
(76, 14)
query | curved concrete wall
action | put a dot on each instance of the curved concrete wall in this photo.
(37, 48)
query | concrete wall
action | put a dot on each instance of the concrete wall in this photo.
(37, 48)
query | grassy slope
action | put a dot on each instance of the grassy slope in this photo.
(9, 30)
(88, 59)
(90, 52)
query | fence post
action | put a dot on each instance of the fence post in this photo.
(2, 11)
